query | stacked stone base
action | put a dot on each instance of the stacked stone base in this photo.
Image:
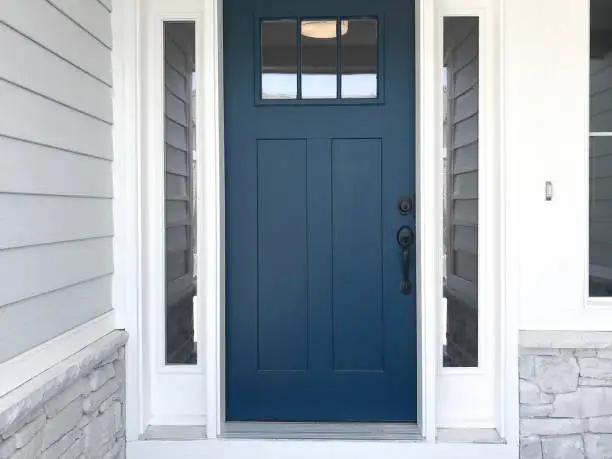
(566, 396)
(76, 410)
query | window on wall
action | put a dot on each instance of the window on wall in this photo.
(319, 59)
(600, 150)
(460, 190)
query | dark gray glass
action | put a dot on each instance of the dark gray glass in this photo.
(319, 59)
(279, 59)
(600, 151)
(179, 202)
(359, 58)
(460, 159)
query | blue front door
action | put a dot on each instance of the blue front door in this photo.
(320, 173)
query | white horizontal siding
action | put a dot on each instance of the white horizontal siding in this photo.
(35, 169)
(52, 29)
(25, 62)
(28, 116)
(108, 4)
(48, 219)
(35, 270)
(56, 223)
(91, 15)
(43, 317)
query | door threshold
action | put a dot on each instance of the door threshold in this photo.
(322, 431)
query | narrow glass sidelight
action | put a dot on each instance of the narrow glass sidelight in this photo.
(460, 190)
(180, 192)
(279, 59)
(600, 151)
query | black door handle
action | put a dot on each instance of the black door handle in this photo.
(405, 239)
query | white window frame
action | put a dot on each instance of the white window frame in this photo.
(474, 390)
(134, 62)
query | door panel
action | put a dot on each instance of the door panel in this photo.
(282, 255)
(317, 327)
(357, 258)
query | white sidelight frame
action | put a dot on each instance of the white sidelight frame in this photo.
(169, 383)
(468, 397)
(137, 28)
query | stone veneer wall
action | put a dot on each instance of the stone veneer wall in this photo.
(565, 395)
(73, 410)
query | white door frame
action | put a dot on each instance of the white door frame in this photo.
(131, 64)
(427, 305)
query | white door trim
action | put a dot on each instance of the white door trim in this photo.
(132, 282)
(468, 396)
(214, 264)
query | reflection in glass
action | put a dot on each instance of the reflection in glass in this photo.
(460, 165)
(319, 63)
(360, 59)
(600, 152)
(279, 59)
(179, 203)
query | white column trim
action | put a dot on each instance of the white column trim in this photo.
(127, 212)
(428, 241)
(212, 225)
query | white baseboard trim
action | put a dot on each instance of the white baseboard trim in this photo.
(24, 367)
(320, 449)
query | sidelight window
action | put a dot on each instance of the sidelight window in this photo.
(326, 59)
(600, 151)
(179, 200)
(461, 190)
